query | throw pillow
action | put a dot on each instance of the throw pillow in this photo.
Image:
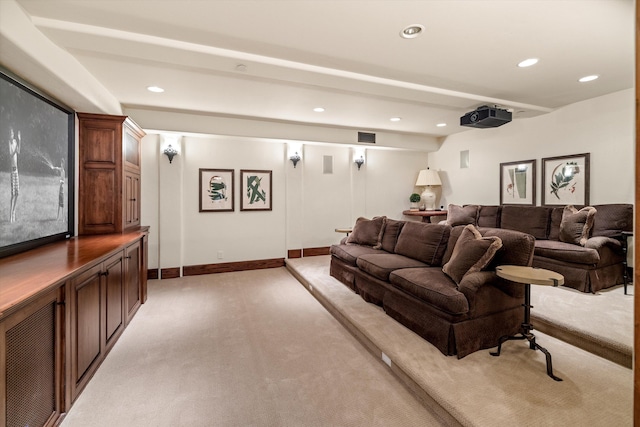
(471, 253)
(367, 232)
(576, 224)
(461, 215)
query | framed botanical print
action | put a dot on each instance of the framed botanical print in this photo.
(255, 190)
(216, 190)
(565, 180)
(518, 183)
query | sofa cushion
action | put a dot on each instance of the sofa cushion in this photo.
(381, 265)
(576, 224)
(390, 235)
(350, 253)
(489, 216)
(461, 215)
(432, 286)
(425, 242)
(612, 219)
(532, 220)
(566, 252)
(554, 225)
(367, 232)
(471, 253)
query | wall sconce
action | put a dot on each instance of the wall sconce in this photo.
(170, 152)
(295, 158)
(359, 161)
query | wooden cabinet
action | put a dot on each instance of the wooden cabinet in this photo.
(63, 306)
(31, 341)
(109, 174)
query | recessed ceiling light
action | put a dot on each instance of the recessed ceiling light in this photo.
(528, 62)
(155, 89)
(441, 125)
(318, 109)
(588, 78)
(395, 119)
(412, 31)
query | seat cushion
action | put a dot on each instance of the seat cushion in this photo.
(576, 224)
(367, 232)
(567, 252)
(432, 286)
(471, 253)
(425, 242)
(381, 265)
(350, 253)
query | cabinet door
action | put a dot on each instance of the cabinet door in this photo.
(31, 357)
(85, 317)
(114, 298)
(132, 279)
(132, 199)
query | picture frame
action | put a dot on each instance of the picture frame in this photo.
(518, 183)
(255, 190)
(565, 180)
(37, 164)
(216, 190)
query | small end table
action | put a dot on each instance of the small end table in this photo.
(426, 215)
(528, 276)
(344, 230)
(624, 240)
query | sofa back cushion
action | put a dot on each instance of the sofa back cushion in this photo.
(532, 220)
(425, 242)
(554, 223)
(462, 215)
(367, 232)
(472, 252)
(489, 216)
(612, 219)
(390, 235)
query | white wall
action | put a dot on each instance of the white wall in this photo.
(601, 126)
(307, 204)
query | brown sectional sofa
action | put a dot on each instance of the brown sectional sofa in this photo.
(447, 293)
(596, 265)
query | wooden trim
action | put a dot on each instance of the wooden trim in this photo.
(152, 273)
(294, 253)
(227, 267)
(170, 273)
(636, 246)
(325, 250)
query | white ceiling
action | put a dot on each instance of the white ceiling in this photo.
(347, 56)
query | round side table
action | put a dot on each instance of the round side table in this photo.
(528, 276)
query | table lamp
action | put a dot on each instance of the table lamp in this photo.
(427, 178)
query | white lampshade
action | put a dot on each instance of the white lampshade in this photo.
(428, 177)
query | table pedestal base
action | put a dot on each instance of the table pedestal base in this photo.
(525, 333)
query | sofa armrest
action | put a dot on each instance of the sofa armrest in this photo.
(470, 284)
(598, 242)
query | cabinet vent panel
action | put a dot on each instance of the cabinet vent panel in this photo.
(30, 369)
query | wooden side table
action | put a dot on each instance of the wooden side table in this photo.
(528, 276)
(426, 215)
(344, 230)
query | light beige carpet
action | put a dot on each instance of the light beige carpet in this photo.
(601, 323)
(480, 390)
(241, 349)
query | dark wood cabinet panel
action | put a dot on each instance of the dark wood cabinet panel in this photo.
(85, 322)
(114, 299)
(133, 269)
(109, 174)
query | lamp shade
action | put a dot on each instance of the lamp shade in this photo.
(428, 177)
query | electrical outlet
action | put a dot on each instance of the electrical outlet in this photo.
(220, 255)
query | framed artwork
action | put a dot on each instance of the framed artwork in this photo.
(518, 183)
(37, 160)
(216, 190)
(255, 190)
(565, 180)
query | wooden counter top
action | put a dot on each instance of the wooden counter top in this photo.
(26, 275)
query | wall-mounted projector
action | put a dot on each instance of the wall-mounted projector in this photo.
(486, 117)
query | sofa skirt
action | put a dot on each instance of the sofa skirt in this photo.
(583, 277)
